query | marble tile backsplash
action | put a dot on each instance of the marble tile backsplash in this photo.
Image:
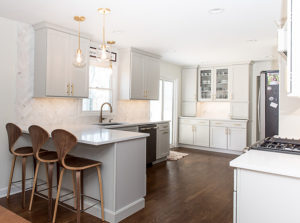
(213, 109)
(44, 111)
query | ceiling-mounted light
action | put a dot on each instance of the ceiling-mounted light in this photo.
(104, 54)
(216, 11)
(79, 59)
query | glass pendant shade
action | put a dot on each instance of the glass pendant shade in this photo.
(79, 58)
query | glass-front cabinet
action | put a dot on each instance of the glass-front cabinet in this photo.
(221, 84)
(213, 84)
(205, 88)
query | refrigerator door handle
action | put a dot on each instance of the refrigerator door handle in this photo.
(258, 112)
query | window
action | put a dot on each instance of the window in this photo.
(100, 88)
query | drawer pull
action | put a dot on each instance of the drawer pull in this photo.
(219, 123)
(237, 124)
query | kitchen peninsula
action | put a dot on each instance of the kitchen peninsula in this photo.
(123, 157)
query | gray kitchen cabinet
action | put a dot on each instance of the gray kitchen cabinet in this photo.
(54, 73)
(163, 140)
(139, 74)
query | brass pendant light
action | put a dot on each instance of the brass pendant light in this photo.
(104, 54)
(79, 59)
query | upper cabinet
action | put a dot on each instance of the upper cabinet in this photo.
(189, 91)
(139, 74)
(213, 84)
(54, 73)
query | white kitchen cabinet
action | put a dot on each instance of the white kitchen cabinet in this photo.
(139, 74)
(214, 84)
(237, 138)
(218, 135)
(189, 91)
(239, 91)
(189, 84)
(201, 135)
(163, 140)
(186, 133)
(230, 135)
(54, 74)
(194, 132)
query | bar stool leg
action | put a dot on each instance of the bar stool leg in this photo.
(23, 180)
(78, 195)
(50, 174)
(11, 175)
(81, 190)
(34, 183)
(58, 193)
(47, 178)
(101, 192)
(74, 187)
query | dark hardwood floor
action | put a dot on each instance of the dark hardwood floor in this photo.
(195, 189)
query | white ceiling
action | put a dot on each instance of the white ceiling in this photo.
(182, 32)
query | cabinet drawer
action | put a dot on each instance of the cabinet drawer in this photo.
(194, 121)
(163, 126)
(230, 124)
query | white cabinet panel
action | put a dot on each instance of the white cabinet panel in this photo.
(201, 135)
(240, 83)
(58, 61)
(163, 145)
(137, 87)
(186, 135)
(152, 76)
(189, 84)
(237, 139)
(239, 110)
(218, 137)
(79, 79)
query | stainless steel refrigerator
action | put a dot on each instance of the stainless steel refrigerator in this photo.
(268, 104)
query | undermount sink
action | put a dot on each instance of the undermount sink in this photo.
(111, 123)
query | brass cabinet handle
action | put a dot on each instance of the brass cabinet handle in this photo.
(72, 91)
(68, 89)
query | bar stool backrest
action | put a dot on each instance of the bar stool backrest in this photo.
(64, 142)
(39, 137)
(13, 133)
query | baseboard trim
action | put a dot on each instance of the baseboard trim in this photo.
(15, 189)
(211, 149)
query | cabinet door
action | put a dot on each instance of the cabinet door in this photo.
(79, 79)
(137, 88)
(201, 135)
(186, 134)
(221, 84)
(163, 145)
(237, 139)
(189, 84)
(205, 80)
(218, 137)
(58, 63)
(151, 77)
(240, 83)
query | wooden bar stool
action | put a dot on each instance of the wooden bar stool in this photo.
(14, 133)
(65, 142)
(39, 137)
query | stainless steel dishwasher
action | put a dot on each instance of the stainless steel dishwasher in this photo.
(151, 142)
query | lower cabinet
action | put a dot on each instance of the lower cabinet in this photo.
(227, 134)
(218, 137)
(163, 140)
(194, 132)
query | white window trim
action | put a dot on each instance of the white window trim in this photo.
(114, 93)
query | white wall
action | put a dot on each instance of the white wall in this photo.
(8, 58)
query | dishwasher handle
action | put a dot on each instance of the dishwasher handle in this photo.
(143, 129)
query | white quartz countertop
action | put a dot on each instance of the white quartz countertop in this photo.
(214, 119)
(94, 134)
(269, 162)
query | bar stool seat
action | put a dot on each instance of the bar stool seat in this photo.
(24, 151)
(78, 163)
(49, 156)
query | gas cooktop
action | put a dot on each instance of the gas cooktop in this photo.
(281, 145)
